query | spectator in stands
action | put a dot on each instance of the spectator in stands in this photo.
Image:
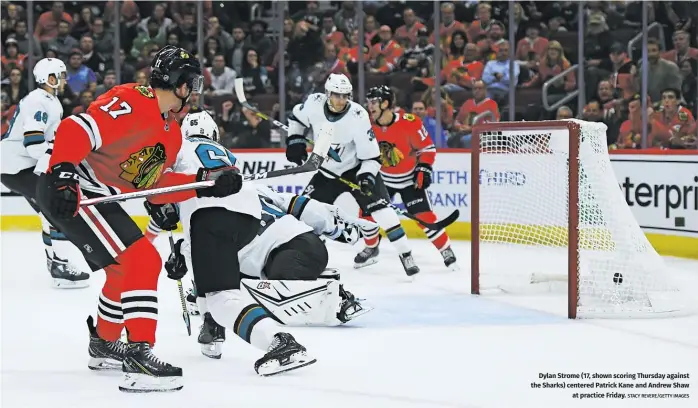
(178, 9)
(556, 25)
(496, 74)
(689, 85)
(411, 27)
(345, 18)
(236, 54)
(564, 112)
(478, 105)
(597, 40)
(253, 74)
(108, 83)
(80, 77)
(152, 35)
(11, 58)
(617, 67)
(604, 94)
(86, 98)
(419, 59)
(63, 42)
(10, 20)
(495, 37)
(6, 113)
(329, 31)
(462, 73)
(306, 47)
(551, 65)
(447, 27)
(141, 78)
(211, 48)
(243, 129)
(662, 74)
(332, 64)
(47, 27)
(158, 17)
(673, 125)
(173, 39)
(593, 111)
(371, 30)
(418, 109)
(103, 39)
(23, 37)
(447, 112)
(82, 23)
(93, 60)
(311, 9)
(15, 88)
(385, 55)
(222, 77)
(682, 49)
(630, 133)
(51, 52)
(186, 31)
(128, 72)
(259, 41)
(457, 48)
(479, 27)
(533, 47)
(215, 30)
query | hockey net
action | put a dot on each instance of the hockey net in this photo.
(548, 212)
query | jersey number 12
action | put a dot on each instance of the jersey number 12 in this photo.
(125, 108)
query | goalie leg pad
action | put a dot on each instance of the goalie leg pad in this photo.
(299, 303)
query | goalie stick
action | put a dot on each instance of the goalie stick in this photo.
(317, 157)
(185, 312)
(450, 219)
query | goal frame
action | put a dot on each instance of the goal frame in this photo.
(572, 204)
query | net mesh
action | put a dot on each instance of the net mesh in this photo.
(524, 192)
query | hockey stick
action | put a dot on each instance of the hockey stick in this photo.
(317, 157)
(450, 219)
(441, 224)
(185, 312)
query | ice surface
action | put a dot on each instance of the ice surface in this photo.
(427, 344)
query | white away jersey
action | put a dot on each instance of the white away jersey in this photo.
(353, 142)
(280, 224)
(197, 153)
(32, 129)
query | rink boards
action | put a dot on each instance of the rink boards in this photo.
(661, 190)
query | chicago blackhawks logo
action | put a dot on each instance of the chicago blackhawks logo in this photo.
(143, 168)
(390, 155)
(145, 91)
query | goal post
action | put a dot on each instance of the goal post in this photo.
(547, 212)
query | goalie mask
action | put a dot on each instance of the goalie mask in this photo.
(338, 90)
(200, 124)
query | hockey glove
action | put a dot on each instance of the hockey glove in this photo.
(164, 216)
(367, 182)
(296, 150)
(64, 190)
(422, 176)
(175, 265)
(228, 182)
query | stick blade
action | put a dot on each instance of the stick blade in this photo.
(187, 322)
(450, 219)
(323, 140)
(240, 90)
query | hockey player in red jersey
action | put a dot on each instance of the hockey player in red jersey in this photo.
(126, 141)
(407, 155)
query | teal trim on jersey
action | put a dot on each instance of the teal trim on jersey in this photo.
(334, 117)
(395, 233)
(248, 321)
(33, 139)
(297, 206)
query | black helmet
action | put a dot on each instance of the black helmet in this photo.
(382, 93)
(172, 67)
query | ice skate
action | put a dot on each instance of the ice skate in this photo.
(144, 372)
(368, 256)
(284, 354)
(211, 337)
(104, 355)
(65, 275)
(350, 308)
(450, 259)
(408, 263)
(192, 306)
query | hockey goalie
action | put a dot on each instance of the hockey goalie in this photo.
(256, 258)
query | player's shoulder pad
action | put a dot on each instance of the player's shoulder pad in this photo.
(145, 91)
(358, 111)
(316, 99)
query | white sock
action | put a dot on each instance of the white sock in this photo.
(242, 316)
(390, 222)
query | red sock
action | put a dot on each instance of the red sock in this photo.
(372, 239)
(110, 317)
(439, 237)
(141, 264)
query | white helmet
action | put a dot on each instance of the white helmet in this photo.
(339, 84)
(47, 67)
(200, 124)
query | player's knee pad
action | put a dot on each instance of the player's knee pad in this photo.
(297, 303)
(141, 264)
(302, 258)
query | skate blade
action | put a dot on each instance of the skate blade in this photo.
(68, 284)
(134, 382)
(370, 262)
(272, 367)
(363, 311)
(212, 350)
(103, 364)
(453, 267)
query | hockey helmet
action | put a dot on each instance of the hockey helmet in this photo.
(174, 66)
(381, 93)
(200, 124)
(338, 84)
(47, 67)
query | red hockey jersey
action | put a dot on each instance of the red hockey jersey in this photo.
(122, 144)
(403, 144)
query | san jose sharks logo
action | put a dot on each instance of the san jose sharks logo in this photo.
(335, 152)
